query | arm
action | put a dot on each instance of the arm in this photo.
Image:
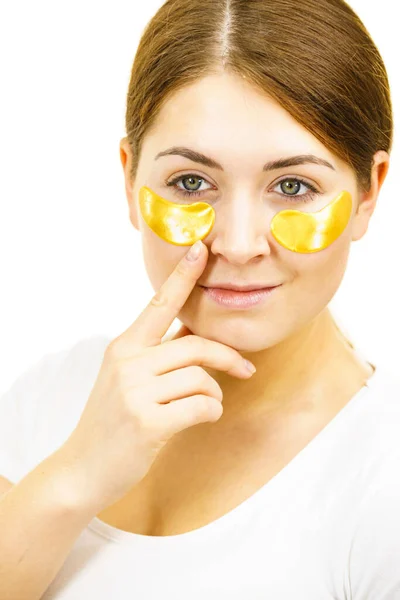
(40, 519)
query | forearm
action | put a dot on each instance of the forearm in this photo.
(40, 519)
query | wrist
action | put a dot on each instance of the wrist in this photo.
(70, 483)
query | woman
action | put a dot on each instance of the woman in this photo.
(172, 471)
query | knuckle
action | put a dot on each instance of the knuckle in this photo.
(114, 348)
(203, 379)
(133, 372)
(160, 298)
(203, 406)
(197, 343)
(217, 391)
(233, 357)
(138, 418)
(120, 349)
(182, 269)
(117, 380)
(136, 411)
(197, 374)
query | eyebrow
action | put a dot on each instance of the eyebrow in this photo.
(279, 163)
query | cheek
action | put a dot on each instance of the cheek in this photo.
(318, 275)
(160, 258)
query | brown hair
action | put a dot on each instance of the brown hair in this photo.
(315, 57)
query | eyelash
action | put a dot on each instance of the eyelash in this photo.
(309, 196)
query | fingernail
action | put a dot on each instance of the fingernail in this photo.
(250, 366)
(194, 251)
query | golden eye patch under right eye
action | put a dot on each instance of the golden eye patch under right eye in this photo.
(177, 224)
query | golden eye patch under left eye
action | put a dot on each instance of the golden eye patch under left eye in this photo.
(177, 224)
(311, 232)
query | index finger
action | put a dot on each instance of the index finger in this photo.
(154, 321)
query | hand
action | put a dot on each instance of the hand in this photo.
(146, 391)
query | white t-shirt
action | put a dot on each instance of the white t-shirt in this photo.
(326, 527)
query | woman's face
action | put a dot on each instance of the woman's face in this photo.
(228, 120)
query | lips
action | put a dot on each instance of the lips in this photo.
(239, 300)
(241, 288)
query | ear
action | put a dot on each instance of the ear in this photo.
(367, 200)
(125, 152)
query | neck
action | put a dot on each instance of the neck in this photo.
(316, 362)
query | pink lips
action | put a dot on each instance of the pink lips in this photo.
(239, 300)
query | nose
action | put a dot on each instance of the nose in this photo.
(241, 230)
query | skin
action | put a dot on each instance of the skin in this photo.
(302, 358)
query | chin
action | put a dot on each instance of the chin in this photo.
(244, 334)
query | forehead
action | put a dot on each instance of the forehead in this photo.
(234, 121)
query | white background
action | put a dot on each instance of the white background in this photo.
(71, 262)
